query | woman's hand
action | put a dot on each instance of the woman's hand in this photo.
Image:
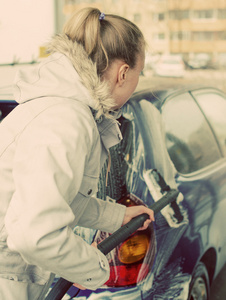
(78, 286)
(134, 211)
(94, 244)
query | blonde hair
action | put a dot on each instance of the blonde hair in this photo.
(105, 40)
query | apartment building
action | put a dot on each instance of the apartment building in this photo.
(197, 26)
(149, 15)
(182, 27)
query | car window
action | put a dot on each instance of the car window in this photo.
(5, 109)
(189, 139)
(214, 107)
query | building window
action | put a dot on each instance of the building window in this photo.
(180, 35)
(179, 14)
(222, 35)
(137, 17)
(203, 14)
(159, 36)
(203, 36)
(158, 17)
(161, 16)
(222, 14)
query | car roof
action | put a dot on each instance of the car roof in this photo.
(158, 95)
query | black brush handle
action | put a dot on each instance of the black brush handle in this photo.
(59, 289)
(119, 236)
(125, 231)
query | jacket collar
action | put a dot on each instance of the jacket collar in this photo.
(99, 90)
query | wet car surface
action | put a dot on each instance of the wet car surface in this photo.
(190, 254)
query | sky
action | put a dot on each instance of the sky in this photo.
(25, 25)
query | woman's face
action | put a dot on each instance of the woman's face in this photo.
(123, 79)
(130, 83)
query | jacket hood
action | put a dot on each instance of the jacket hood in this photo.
(67, 72)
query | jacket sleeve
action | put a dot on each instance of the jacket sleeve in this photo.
(48, 169)
(102, 215)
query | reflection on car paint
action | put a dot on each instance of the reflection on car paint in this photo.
(170, 284)
(128, 165)
(179, 248)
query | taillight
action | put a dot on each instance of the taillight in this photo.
(129, 262)
(134, 249)
(125, 275)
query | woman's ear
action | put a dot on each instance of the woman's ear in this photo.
(122, 74)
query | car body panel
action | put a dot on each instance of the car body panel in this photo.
(204, 200)
(179, 249)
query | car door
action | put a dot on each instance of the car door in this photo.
(213, 105)
(198, 155)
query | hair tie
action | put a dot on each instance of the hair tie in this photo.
(102, 16)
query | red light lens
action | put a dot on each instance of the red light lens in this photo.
(129, 262)
(125, 275)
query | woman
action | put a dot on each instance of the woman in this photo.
(53, 146)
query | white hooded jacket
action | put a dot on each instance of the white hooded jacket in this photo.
(51, 154)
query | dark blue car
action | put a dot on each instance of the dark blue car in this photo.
(178, 256)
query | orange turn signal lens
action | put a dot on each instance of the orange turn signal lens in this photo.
(134, 249)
